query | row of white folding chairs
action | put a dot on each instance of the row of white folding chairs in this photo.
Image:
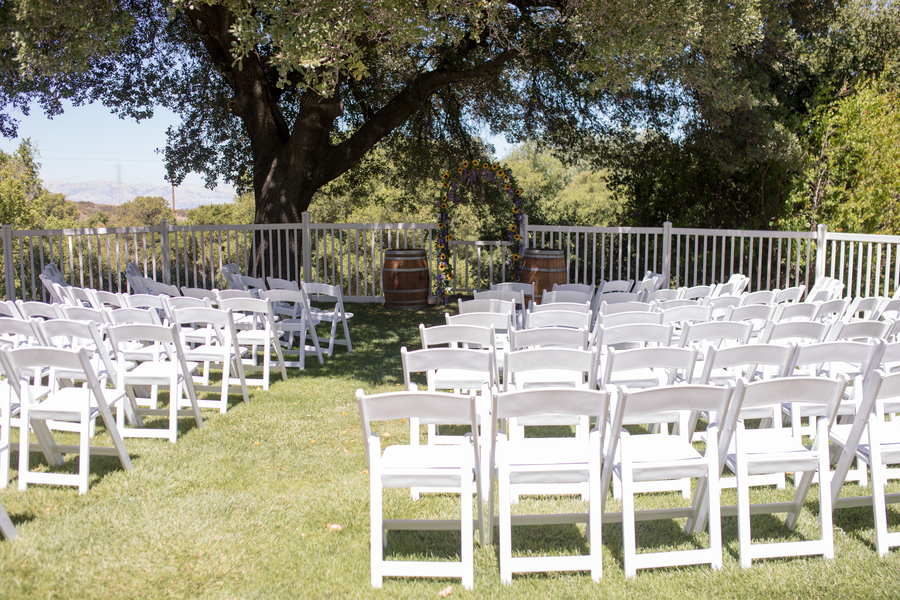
(522, 464)
(336, 315)
(292, 316)
(116, 364)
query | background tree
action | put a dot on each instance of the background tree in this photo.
(144, 211)
(289, 95)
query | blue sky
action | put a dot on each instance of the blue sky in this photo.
(85, 143)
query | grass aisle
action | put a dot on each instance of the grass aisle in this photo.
(271, 501)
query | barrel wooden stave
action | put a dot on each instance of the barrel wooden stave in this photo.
(543, 268)
(405, 279)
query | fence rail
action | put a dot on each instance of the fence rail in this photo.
(351, 255)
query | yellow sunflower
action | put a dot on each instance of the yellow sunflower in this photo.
(459, 170)
(440, 225)
(475, 164)
(515, 210)
(444, 206)
(448, 276)
(519, 192)
(449, 236)
(495, 166)
(513, 228)
(442, 266)
(507, 187)
(446, 184)
(517, 237)
(515, 257)
(465, 164)
(443, 257)
(446, 175)
(500, 173)
(444, 198)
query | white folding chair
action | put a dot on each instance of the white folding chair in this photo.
(634, 335)
(790, 295)
(33, 309)
(875, 442)
(864, 308)
(760, 451)
(615, 285)
(516, 296)
(261, 334)
(580, 307)
(277, 283)
(541, 337)
(720, 304)
(293, 317)
(566, 296)
(662, 295)
(756, 314)
(56, 290)
(559, 465)
(200, 293)
(464, 370)
(320, 292)
(798, 332)
(852, 360)
(103, 299)
(832, 310)
(858, 330)
(628, 317)
(696, 292)
(557, 318)
(680, 315)
(649, 458)
(152, 355)
(584, 288)
(759, 297)
(213, 338)
(799, 311)
(76, 405)
(456, 469)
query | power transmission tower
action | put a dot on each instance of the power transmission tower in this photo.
(120, 196)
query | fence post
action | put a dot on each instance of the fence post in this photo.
(8, 263)
(822, 231)
(525, 229)
(305, 221)
(667, 252)
(164, 259)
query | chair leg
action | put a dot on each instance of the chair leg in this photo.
(84, 458)
(629, 534)
(505, 526)
(743, 502)
(466, 531)
(879, 506)
(376, 529)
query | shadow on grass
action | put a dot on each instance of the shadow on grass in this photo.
(377, 334)
(100, 465)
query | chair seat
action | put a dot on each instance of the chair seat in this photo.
(777, 450)
(434, 466)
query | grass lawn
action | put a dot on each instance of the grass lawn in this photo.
(246, 507)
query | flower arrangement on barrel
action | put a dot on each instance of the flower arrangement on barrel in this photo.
(451, 187)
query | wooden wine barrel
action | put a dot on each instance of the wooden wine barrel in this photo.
(543, 268)
(405, 278)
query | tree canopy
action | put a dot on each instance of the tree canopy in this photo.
(284, 96)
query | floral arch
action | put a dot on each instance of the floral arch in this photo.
(466, 174)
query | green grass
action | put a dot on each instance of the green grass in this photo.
(241, 509)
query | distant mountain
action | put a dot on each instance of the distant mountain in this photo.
(106, 192)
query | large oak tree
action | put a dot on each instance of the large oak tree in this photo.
(284, 96)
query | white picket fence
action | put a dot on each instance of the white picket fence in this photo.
(351, 255)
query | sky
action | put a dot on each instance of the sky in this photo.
(85, 143)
